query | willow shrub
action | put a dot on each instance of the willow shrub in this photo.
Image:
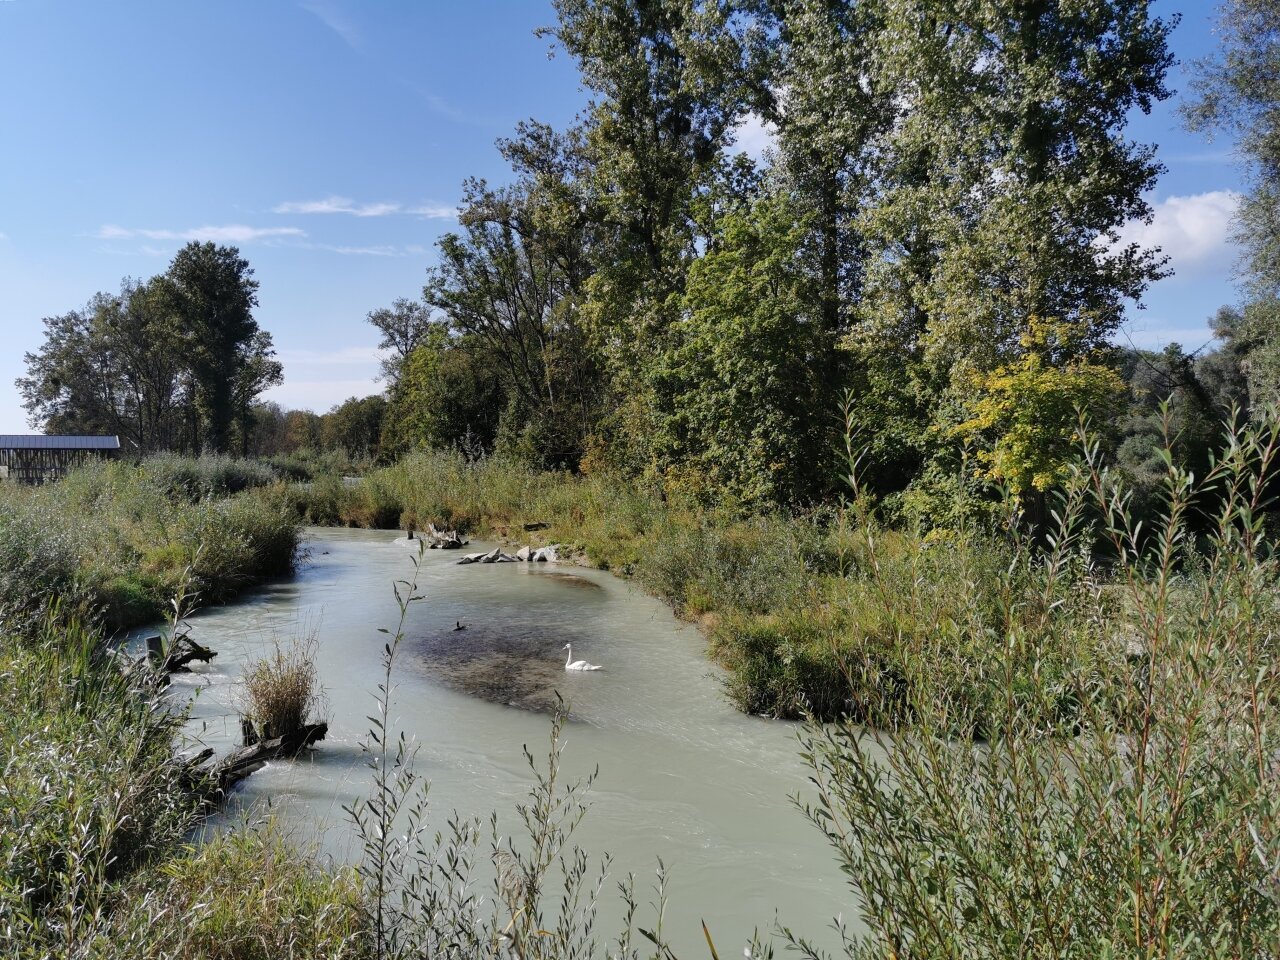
(1141, 823)
(92, 790)
(917, 622)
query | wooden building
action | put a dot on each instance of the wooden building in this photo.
(40, 459)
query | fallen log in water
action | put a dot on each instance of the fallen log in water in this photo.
(444, 539)
(182, 652)
(226, 772)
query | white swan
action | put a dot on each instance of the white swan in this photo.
(572, 664)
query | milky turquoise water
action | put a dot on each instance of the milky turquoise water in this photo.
(682, 776)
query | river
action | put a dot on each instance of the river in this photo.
(682, 775)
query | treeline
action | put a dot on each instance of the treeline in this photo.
(932, 239)
(929, 250)
(176, 362)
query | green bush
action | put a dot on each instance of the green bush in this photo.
(92, 789)
(1140, 822)
(208, 475)
(120, 537)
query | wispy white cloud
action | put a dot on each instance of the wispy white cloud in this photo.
(435, 212)
(382, 250)
(1194, 230)
(346, 205)
(337, 205)
(232, 233)
(331, 15)
(373, 250)
(439, 105)
(1203, 156)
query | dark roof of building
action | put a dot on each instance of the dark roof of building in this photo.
(66, 442)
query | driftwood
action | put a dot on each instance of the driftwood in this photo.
(443, 539)
(182, 652)
(523, 555)
(219, 777)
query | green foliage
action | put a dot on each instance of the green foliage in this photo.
(120, 538)
(669, 82)
(405, 326)
(1142, 821)
(92, 788)
(1033, 405)
(909, 625)
(994, 194)
(231, 357)
(447, 396)
(738, 390)
(247, 894)
(175, 363)
(1010, 164)
(355, 426)
(508, 285)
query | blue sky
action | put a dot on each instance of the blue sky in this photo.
(328, 139)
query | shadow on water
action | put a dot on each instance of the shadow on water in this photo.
(569, 580)
(514, 664)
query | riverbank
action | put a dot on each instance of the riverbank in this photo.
(821, 613)
(98, 805)
(1153, 831)
(118, 541)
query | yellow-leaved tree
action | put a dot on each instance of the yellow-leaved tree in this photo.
(1023, 414)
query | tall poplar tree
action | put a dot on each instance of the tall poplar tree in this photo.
(668, 80)
(1002, 183)
(1239, 93)
(216, 295)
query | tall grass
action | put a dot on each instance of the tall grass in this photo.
(91, 788)
(246, 894)
(121, 537)
(282, 690)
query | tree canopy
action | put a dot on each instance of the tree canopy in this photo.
(174, 363)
